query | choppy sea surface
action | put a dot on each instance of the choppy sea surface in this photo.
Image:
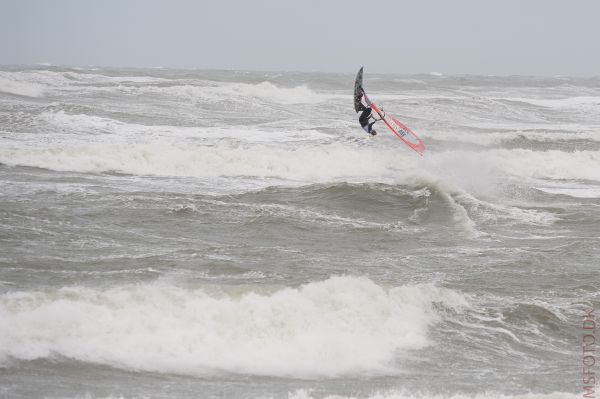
(191, 234)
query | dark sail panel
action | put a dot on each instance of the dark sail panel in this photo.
(358, 89)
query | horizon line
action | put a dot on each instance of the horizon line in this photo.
(260, 70)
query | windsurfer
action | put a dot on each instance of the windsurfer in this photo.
(364, 118)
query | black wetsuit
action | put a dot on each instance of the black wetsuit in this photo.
(363, 119)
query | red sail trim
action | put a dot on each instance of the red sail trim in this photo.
(403, 132)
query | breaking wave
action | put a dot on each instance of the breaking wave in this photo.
(34, 83)
(242, 91)
(162, 156)
(305, 394)
(18, 88)
(343, 325)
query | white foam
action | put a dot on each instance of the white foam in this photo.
(306, 394)
(485, 211)
(575, 192)
(85, 124)
(390, 394)
(78, 75)
(44, 79)
(544, 132)
(243, 92)
(158, 153)
(340, 326)
(97, 78)
(550, 164)
(409, 81)
(90, 396)
(461, 216)
(568, 102)
(464, 166)
(168, 158)
(267, 90)
(193, 89)
(20, 88)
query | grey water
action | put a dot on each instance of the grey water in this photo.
(191, 233)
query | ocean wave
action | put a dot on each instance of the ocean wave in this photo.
(568, 102)
(575, 191)
(42, 78)
(486, 211)
(91, 124)
(486, 164)
(390, 394)
(92, 78)
(538, 137)
(190, 89)
(408, 208)
(244, 92)
(20, 88)
(305, 215)
(306, 394)
(168, 156)
(64, 79)
(341, 326)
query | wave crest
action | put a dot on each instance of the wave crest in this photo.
(343, 325)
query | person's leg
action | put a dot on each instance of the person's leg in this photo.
(364, 117)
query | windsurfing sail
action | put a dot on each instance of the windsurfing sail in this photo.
(358, 90)
(403, 132)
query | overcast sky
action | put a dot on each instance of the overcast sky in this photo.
(527, 37)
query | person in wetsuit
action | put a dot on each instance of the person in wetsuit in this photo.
(364, 118)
